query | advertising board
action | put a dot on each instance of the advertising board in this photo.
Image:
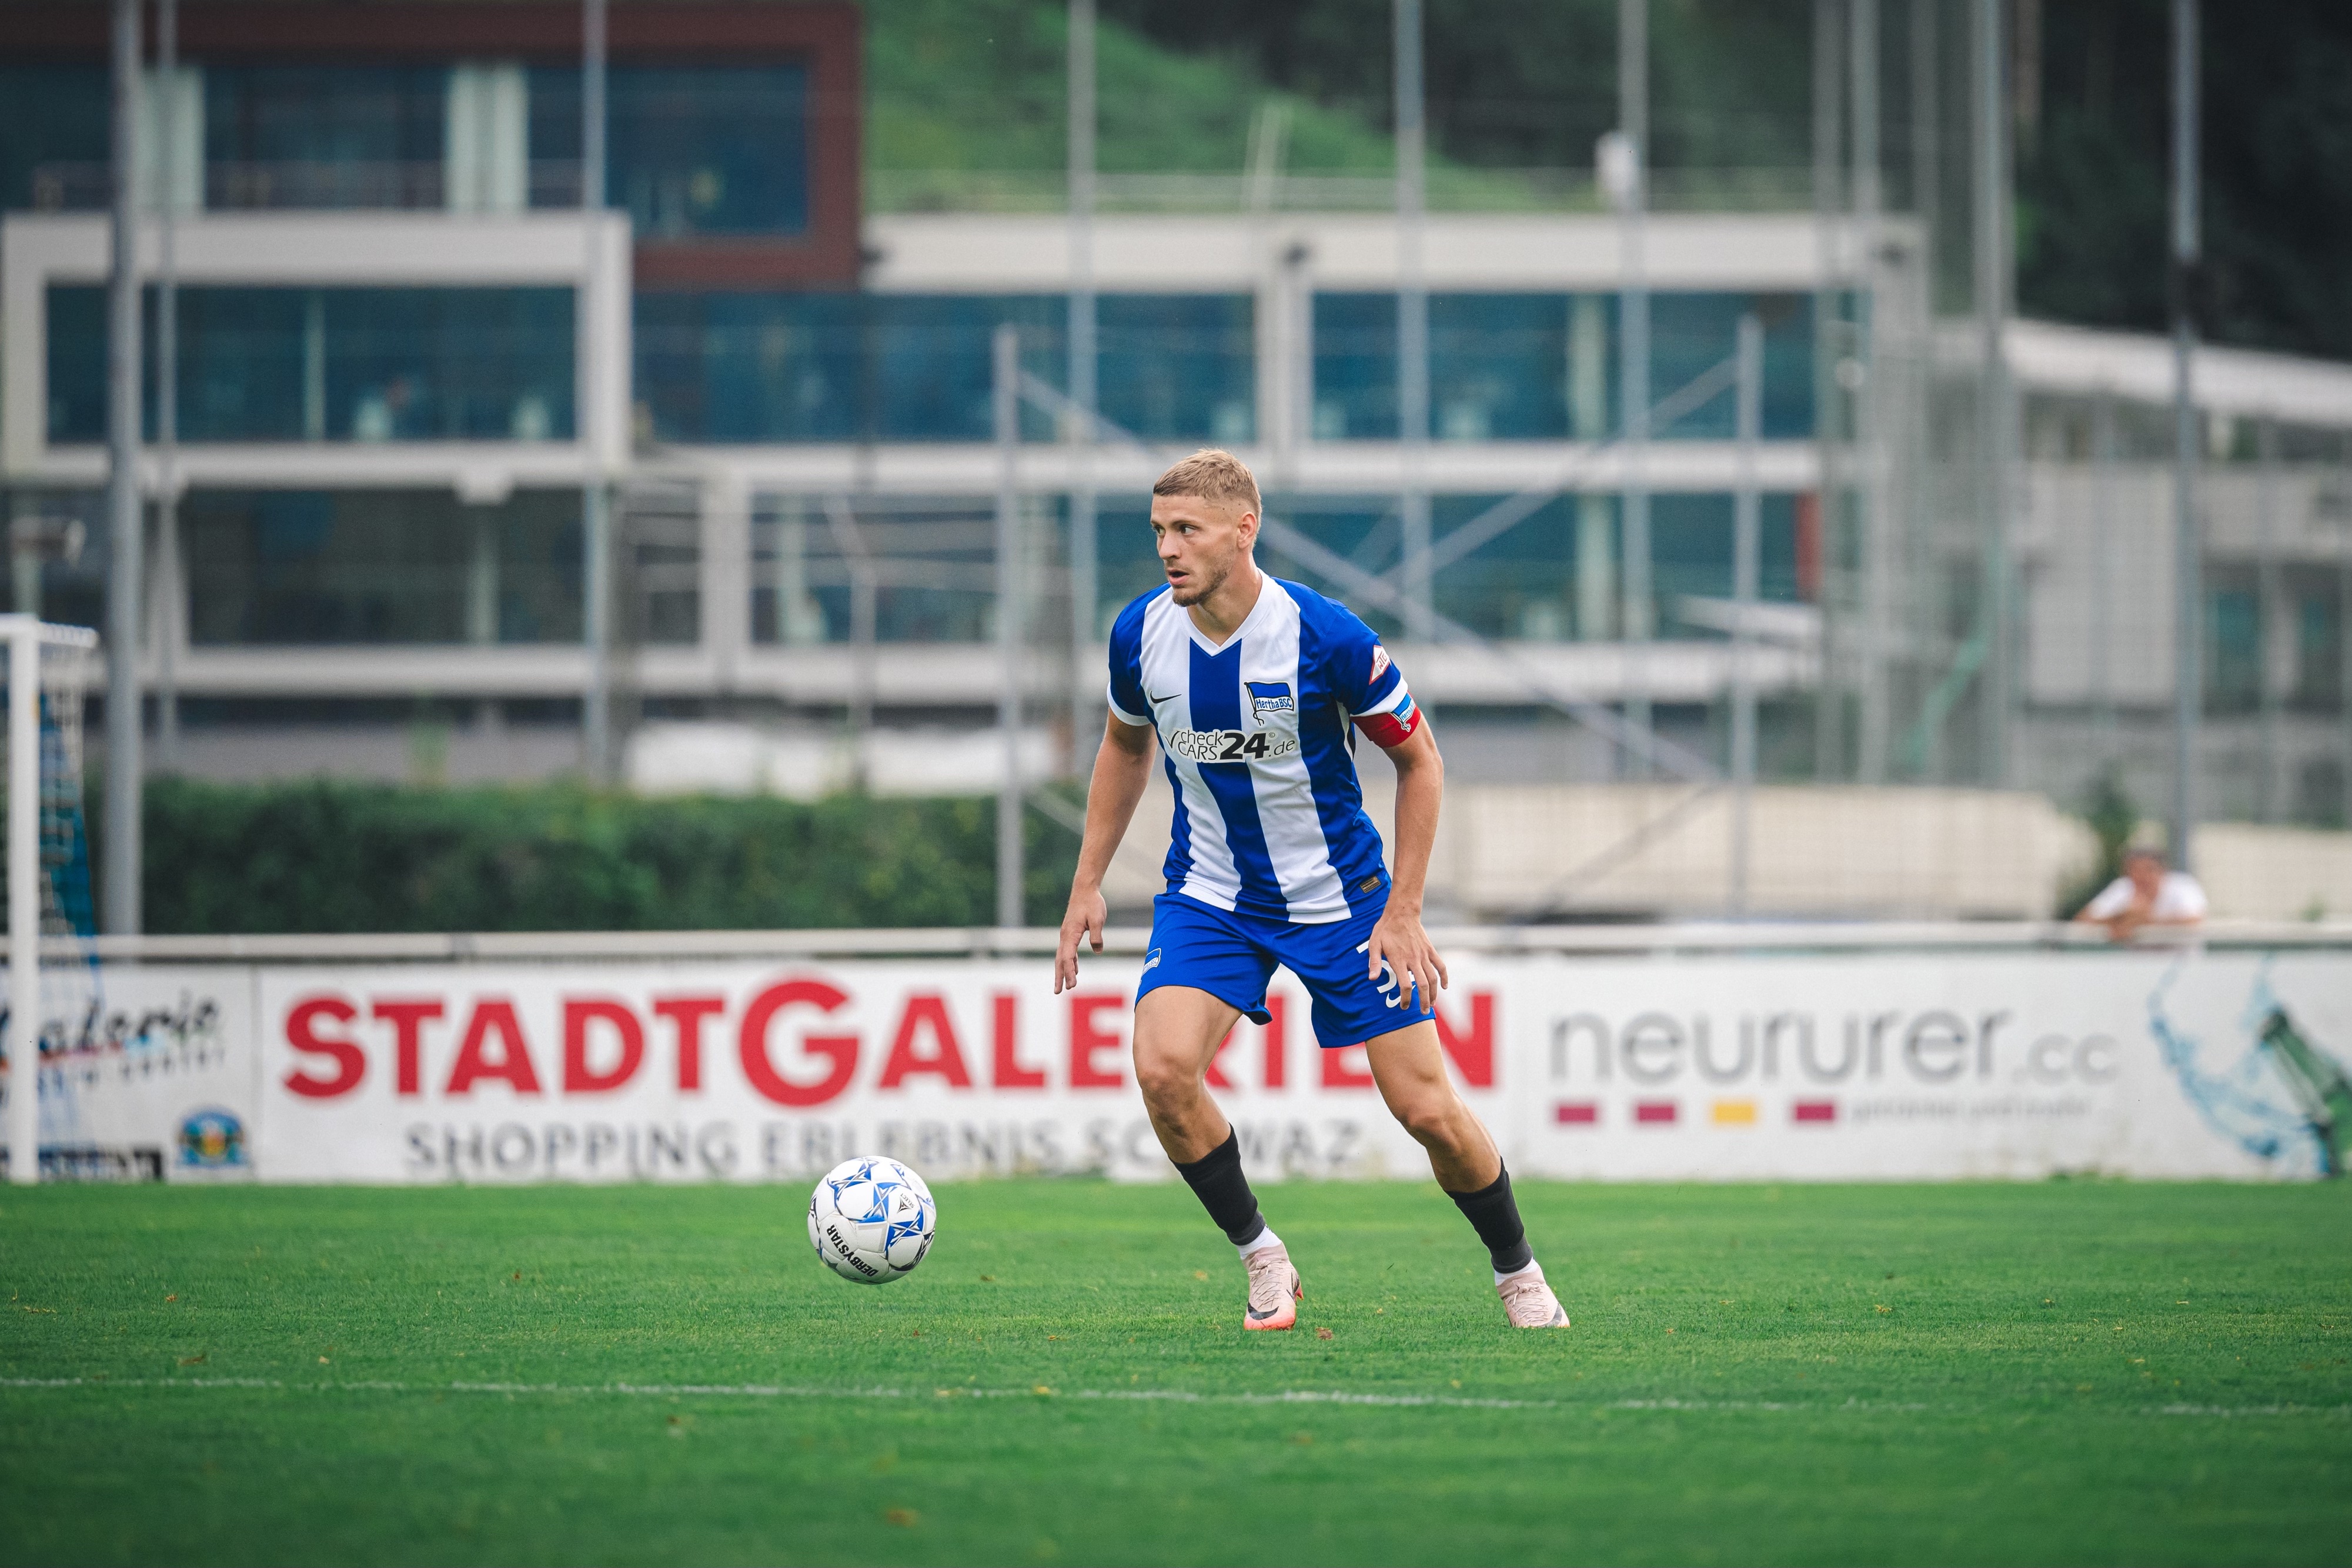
(1829, 1067)
(148, 1072)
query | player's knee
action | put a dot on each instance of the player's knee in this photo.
(1164, 1077)
(1431, 1122)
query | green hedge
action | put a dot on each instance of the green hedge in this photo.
(325, 856)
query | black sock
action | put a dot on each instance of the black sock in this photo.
(1494, 1215)
(1217, 1181)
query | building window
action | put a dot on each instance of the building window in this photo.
(738, 367)
(932, 560)
(54, 138)
(296, 567)
(333, 364)
(1542, 367)
(1355, 367)
(1178, 367)
(1520, 584)
(2233, 639)
(1558, 574)
(2320, 649)
(692, 150)
(729, 367)
(324, 135)
(1690, 334)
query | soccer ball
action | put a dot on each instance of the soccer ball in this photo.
(871, 1220)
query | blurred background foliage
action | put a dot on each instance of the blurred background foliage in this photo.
(325, 856)
(978, 85)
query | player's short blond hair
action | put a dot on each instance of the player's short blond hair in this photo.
(1214, 475)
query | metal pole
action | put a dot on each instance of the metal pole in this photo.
(1829, 710)
(1413, 320)
(863, 593)
(2188, 543)
(595, 498)
(2270, 613)
(1746, 570)
(1006, 401)
(865, 598)
(1991, 288)
(1921, 487)
(2103, 576)
(126, 532)
(1926, 124)
(1086, 672)
(1638, 617)
(170, 591)
(23, 638)
(1876, 719)
(2344, 675)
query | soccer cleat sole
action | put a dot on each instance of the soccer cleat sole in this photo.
(1282, 1317)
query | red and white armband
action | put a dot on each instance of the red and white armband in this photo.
(1393, 721)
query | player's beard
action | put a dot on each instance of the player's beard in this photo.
(1201, 582)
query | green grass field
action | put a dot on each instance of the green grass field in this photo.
(2065, 1372)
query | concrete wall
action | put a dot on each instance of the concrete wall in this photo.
(1508, 852)
(2274, 873)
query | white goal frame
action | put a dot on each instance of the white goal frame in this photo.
(26, 636)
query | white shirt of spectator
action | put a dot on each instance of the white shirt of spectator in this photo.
(2178, 897)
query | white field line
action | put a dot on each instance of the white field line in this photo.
(1165, 1395)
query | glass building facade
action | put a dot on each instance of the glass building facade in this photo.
(54, 137)
(866, 367)
(1545, 367)
(332, 364)
(327, 566)
(324, 135)
(691, 150)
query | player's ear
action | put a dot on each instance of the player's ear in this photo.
(1247, 524)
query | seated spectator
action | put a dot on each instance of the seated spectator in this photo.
(2146, 895)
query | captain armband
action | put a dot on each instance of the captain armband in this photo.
(1393, 728)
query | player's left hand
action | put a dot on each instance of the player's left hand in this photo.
(1398, 941)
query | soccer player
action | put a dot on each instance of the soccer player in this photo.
(1250, 685)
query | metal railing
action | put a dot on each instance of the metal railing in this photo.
(1450, 190)
(976, 942)
(324, 184)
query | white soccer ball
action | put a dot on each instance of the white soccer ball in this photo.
(871, 1220)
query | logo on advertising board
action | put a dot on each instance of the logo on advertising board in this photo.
(2173, 1065)
(1662, 1068)
(2285, 1097)
(211, 1140)
(738, 1073)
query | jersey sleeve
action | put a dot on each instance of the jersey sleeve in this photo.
(2181, 896)
(2112, 900)
(1368, 683)
(1128, 702)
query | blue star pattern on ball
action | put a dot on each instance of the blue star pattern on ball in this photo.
(871, 1220)
(909, 1216)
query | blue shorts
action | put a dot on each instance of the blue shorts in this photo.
(1231, 956)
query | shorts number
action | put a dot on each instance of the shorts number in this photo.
(1391, 992)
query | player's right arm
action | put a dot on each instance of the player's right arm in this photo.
(1122, 771)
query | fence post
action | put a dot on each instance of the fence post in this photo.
(1006, 399)
(1747, 560)
(24, 640)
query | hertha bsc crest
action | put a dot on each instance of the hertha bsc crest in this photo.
(1270, 697)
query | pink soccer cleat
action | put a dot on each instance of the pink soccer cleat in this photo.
(1274, 1291)
(1528, 1302)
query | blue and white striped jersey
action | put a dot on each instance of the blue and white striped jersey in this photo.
(1269, 818)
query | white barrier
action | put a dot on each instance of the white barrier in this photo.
(1749, 1065)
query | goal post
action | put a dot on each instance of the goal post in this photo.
(47, 849)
